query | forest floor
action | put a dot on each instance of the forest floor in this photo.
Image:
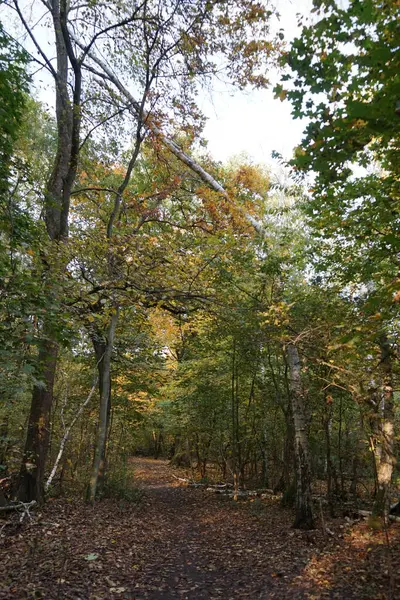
(186, 543)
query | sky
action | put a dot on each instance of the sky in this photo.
(254, 123)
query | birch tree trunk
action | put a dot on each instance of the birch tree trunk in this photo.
(65, 437)
(303, 506)
(383, 425)
(287, 484)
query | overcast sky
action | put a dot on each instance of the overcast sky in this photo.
(253, 122)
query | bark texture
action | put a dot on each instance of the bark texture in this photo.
(100, 344)
(304, 518)
(32, 474)
(105, 386)
(383, 424)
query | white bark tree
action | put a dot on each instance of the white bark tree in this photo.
(303, 505)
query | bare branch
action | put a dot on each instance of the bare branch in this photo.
(37, 46)
(126, 21)
(101, 123)
(67, 433)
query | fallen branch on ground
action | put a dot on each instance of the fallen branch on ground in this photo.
(183, 479)
(368, 513)
(21, 507)
(223, 489)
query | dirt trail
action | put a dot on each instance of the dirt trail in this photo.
(185, 543)
(207, 546)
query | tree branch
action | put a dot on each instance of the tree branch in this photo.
(36, 44)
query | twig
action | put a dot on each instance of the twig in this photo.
(22, 507)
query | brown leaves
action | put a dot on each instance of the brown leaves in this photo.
(185, 543)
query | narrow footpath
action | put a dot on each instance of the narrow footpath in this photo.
(185, 543)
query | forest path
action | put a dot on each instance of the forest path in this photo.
(185, 543)
(206, 546)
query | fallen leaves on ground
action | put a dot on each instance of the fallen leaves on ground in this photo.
(183, 543)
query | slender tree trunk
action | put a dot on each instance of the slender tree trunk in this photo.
(66, 435)
(288, 483)
(340, 452)
(385, 458)
(4, 442)
(356, 462)
(98, 463)
(235, 424)
(100, 347)
(327, 423)
(157, 441)
(304, 512)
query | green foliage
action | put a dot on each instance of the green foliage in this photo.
(120, 484)
(13, 87)
(345, 79)
(23, 250)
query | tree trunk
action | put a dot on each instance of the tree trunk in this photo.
(98, 463)
(264, 460)
(286, 484)
(385, 459)
(356, 462)
(327, 423)
(100, 347)
(32, 474)
(235, 425)
(4, 443)
(56, 211)
(304, 513)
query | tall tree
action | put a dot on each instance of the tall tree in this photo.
(165, 49)
(304, 510)
(345, 79)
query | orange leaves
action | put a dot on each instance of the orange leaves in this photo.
(251, 177)
(218, 208)
(376, 316)
(396, 296)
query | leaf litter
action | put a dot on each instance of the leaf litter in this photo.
(184, 543)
